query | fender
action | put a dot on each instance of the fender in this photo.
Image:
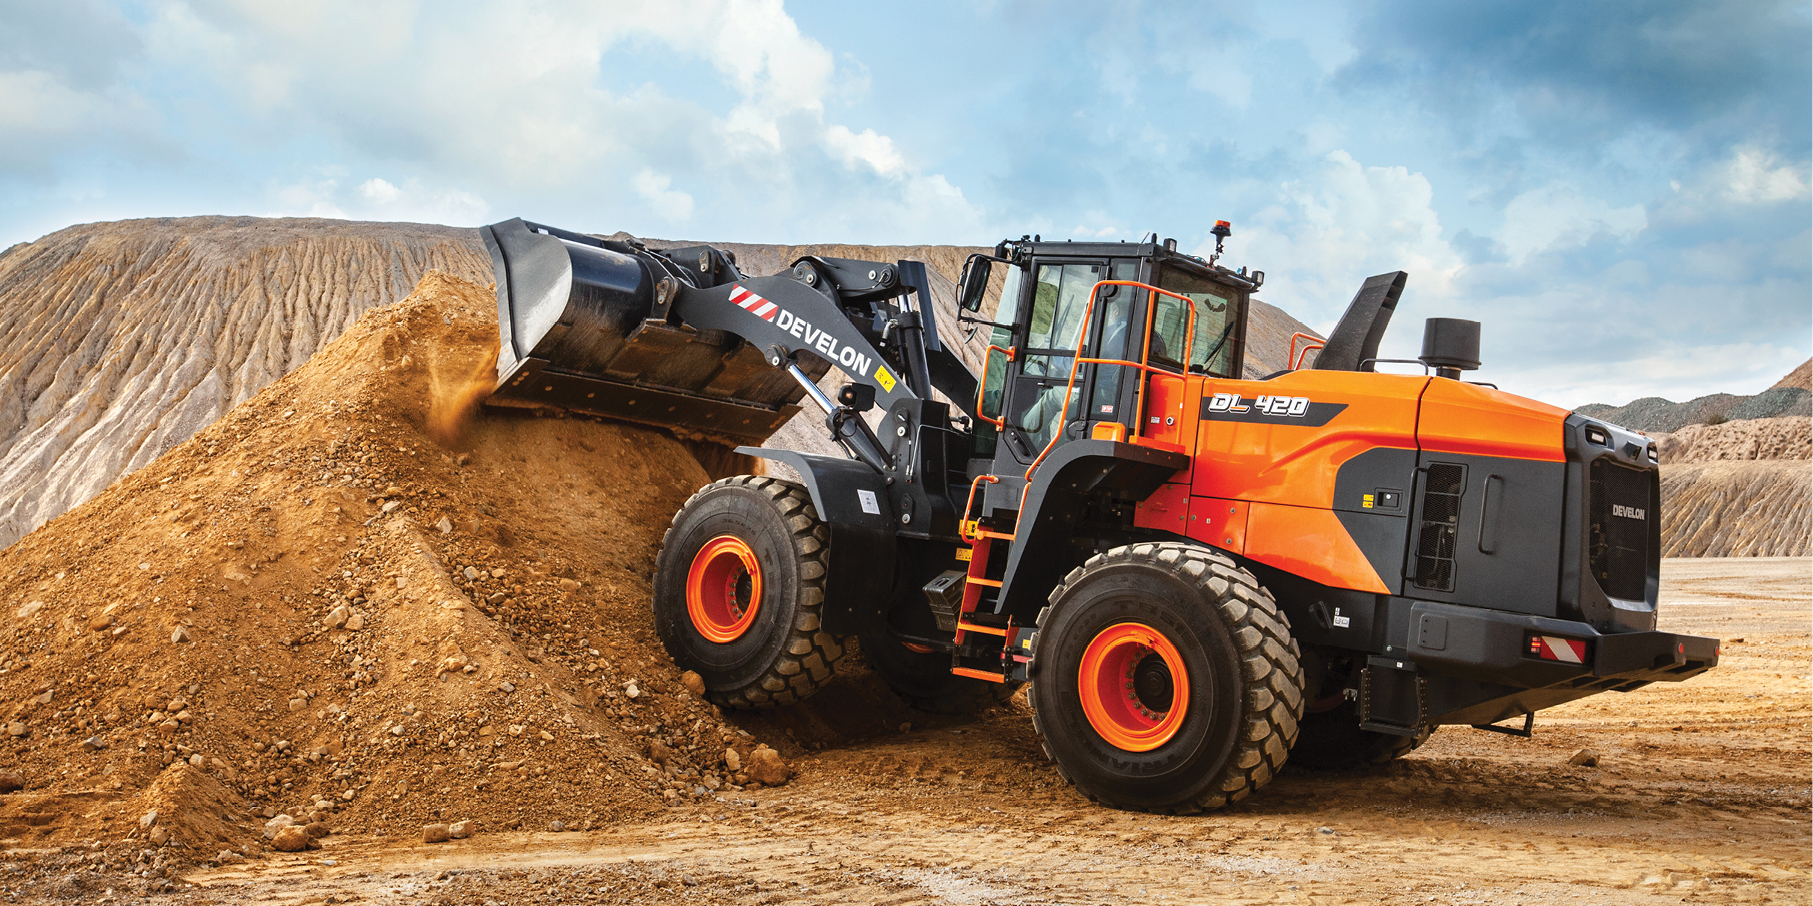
(852, 500)
(1054, 505)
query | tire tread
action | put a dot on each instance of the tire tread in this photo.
(1270, 661)
(784, 683)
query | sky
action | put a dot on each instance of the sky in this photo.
(1618, 191)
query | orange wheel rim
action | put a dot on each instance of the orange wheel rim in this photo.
(1134, 687)
(723, 589)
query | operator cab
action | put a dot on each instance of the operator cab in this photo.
(1045, 299)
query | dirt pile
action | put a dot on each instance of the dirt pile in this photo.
(1789, 438)
(1759, 508)
(1801, 377)
(311, 608)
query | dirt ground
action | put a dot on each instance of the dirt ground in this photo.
(1701, 796)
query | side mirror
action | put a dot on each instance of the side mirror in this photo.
(975, 282)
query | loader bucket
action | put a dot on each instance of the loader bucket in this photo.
(583, 325)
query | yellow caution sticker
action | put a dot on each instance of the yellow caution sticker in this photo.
(883, 378)
(1366, 501)
(963, 553)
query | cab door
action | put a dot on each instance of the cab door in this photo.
(1035, 411)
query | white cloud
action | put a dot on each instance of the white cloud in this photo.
(1328, 233)
(377, 199)
(378, 191)
(1557, 216)
(1752, 177)
(877, 152)
(533, 105)
(669, 203)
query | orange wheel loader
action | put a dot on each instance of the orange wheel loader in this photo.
(1201, 576)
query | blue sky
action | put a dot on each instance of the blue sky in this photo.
(1619, 191)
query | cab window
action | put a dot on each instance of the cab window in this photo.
(1059, 299)
(1219, 312)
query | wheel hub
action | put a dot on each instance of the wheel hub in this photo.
(1134, 688)
(1152, 683)
(723, 589)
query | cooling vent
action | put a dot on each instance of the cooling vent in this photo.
(1442, 485)
(1620, 506)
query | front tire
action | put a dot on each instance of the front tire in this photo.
(739, 592)
(1165, 679)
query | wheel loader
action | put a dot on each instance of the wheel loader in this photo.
(1200, 574)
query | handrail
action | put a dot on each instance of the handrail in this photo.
(1295, 358)
(1144, 364)
(971, 502)
(982, 387)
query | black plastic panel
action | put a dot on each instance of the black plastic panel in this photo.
(1496, 543)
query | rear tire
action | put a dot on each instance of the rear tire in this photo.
(924, 679)
(739, 592)
(1165, 679)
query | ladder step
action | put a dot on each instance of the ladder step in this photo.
(979, 674)
(987, 630)
(992, 583)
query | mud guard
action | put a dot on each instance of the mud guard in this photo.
(1054, 505)
(852, 500)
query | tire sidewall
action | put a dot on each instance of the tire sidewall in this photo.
(1193, 760)
(750, 516)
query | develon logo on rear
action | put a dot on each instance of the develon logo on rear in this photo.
(1628, 512)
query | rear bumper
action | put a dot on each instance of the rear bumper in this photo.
(1498, 647)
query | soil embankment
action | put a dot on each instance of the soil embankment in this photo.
(312, 608)
(1738, 489)
(122, 340)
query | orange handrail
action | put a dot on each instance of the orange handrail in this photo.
(1296, 358)
(1143, 364)
(982, 386)
(971, 502)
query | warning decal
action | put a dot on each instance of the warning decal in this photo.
(1556, 648)
(755, 304)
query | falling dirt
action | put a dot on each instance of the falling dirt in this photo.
(455, 393)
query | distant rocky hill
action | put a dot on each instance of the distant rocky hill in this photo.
(120, 340)
(1790, 396)
(1784, 438)
(1738, 489)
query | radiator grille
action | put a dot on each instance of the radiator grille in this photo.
(1442, 486)
(1621, 506)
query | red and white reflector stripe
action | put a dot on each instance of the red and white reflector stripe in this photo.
(762, 308)
(1556, 648)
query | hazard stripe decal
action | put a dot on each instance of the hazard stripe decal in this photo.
(748, 301)
(1567, 651)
